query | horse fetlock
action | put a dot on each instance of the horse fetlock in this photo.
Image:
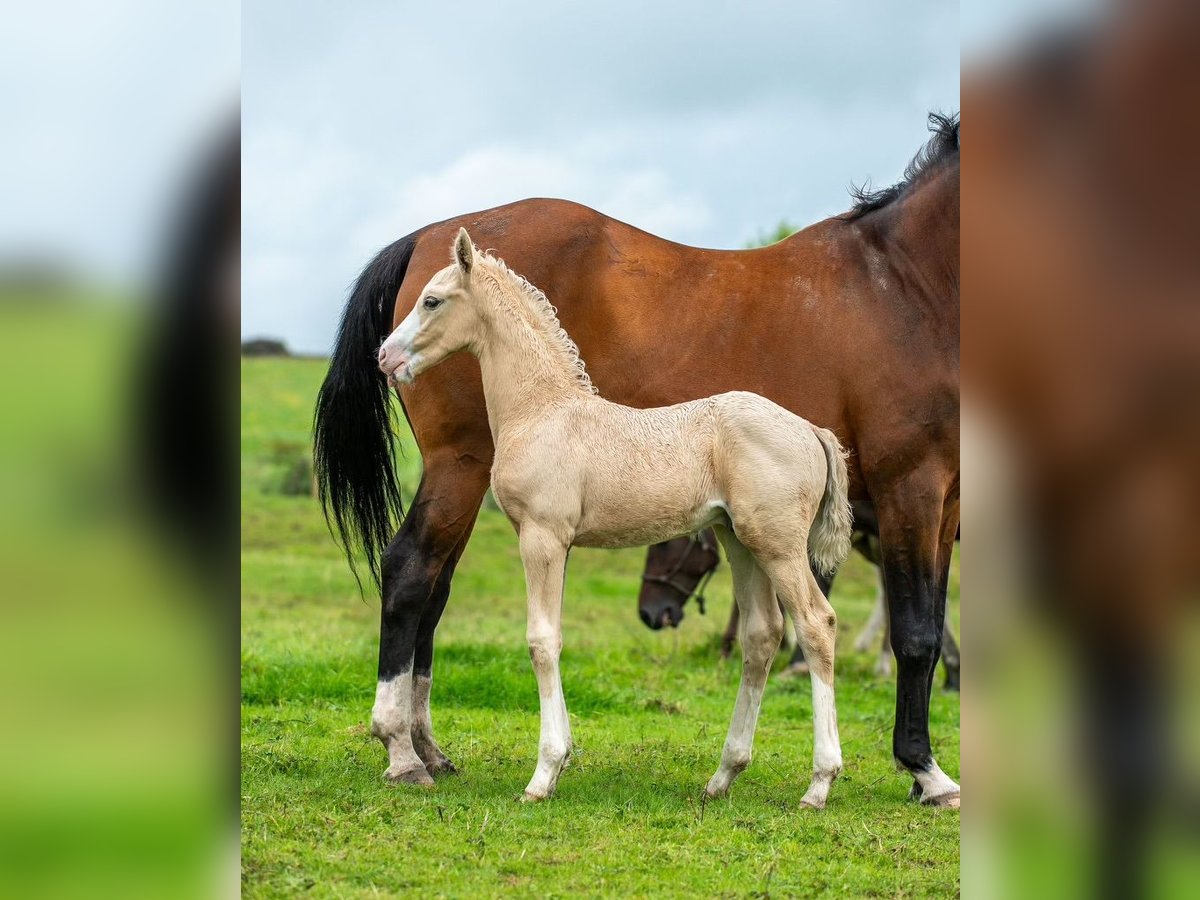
(818, 791)
(933, 787)
(735, 761)
(554, 754)
(388, 726)
(436, 762)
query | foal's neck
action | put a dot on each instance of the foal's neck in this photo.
(526, 369)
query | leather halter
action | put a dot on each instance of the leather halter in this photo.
(696, 540)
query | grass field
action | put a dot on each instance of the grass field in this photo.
(649, 712)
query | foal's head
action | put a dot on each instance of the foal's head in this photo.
(445, 320)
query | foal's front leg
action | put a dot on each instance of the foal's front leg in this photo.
(545, 558)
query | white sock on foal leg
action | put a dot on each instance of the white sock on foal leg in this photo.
(827, 747)
(391, 722)
(554, 746)
(544, 558)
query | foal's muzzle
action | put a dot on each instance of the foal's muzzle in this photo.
(396, 365)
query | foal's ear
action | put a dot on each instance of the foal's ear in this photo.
(464, 252)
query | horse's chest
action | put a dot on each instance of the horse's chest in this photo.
(524, 484)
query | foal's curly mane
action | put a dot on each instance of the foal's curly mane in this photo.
(545, 317)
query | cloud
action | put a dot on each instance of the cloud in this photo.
(363, 123)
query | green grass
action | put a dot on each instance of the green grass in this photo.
(649, 712)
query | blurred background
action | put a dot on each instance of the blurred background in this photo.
(1081, 438)
(119, 259)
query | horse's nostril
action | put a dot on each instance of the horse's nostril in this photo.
(648, 620)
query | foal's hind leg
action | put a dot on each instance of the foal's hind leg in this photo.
(816, 629)
(761, 630)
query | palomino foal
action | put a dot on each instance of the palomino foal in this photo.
(572, 469)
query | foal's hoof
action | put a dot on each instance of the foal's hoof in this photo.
(530, 797)
(418, 776)
(807, 803)
(717, 788)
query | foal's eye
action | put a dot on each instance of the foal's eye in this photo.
(433, 302)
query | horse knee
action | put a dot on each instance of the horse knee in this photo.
(544, 650)
(918, 646)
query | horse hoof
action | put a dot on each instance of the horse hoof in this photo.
(945, 801)
(806, 803)
(441, 766)
(530, 797)
(716, 791)
(418, 776)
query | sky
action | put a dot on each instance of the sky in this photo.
(108, 110)
(364, 122)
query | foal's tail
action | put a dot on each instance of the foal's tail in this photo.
(829, 537)
(353, 440)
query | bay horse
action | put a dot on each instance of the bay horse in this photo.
(852, 323)
(572, 469)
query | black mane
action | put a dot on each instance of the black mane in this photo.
(938, 150)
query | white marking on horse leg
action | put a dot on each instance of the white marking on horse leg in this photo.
(936, 787)
(422, 728)
(762, 625)
(827, 747)
(391, 722)
(554, 744)
(544, 559)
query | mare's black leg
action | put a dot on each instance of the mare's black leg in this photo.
(914, 518)
(436, 762)
(417, 567)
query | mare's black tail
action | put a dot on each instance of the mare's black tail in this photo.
(353, 440)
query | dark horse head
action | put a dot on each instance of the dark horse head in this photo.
(675, 571)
